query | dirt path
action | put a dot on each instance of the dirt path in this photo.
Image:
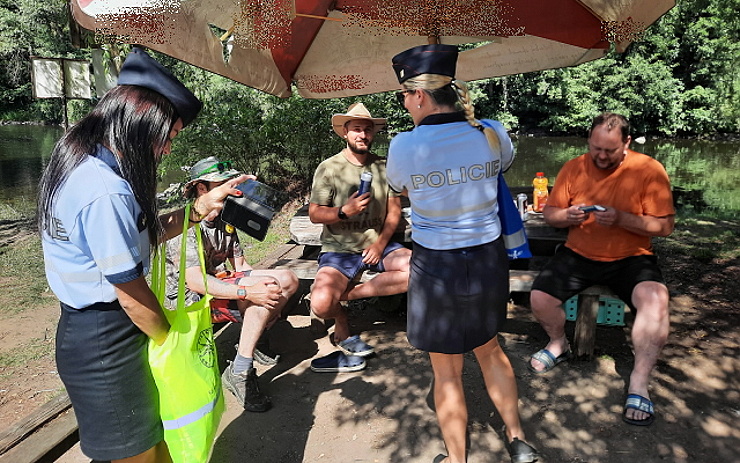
(384, 414)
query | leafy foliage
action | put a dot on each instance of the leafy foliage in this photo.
(680, 79)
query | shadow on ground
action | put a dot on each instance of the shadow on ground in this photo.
(384, 413)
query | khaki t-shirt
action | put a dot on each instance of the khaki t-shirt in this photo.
(334, 181)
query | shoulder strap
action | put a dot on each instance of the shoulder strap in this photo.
(183, 258)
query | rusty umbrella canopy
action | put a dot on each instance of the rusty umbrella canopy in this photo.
(338, 48)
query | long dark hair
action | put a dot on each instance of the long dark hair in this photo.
(134, 123)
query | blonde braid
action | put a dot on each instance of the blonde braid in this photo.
(464, 97)
(427, 82)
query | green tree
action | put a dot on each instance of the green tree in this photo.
(31, 28)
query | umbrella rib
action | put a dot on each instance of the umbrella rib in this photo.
(312, 16)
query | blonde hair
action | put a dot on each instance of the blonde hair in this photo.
(433, 82)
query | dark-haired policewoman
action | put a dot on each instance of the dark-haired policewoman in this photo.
(99, 223)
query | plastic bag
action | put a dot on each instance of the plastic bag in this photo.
(185, 367)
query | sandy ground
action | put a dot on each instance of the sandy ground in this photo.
(384, 413)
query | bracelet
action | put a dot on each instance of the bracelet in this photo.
(198, 214)
(190, 219)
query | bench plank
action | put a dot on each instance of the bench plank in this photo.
(519, 281)
(32, 422)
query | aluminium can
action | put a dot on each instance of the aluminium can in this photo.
(366, 179)
(521, 204)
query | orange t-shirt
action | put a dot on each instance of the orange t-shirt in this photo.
(639, 185)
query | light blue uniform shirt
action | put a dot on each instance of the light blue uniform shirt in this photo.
(98, 237)
(450, 173)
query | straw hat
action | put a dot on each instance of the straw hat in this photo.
(356, 111)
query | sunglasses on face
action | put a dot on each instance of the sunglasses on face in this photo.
(218, 167)
(401, 96)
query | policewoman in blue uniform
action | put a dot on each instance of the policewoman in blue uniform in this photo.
(99, 223)
(459, 279)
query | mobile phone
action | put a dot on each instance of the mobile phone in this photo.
(593, 208)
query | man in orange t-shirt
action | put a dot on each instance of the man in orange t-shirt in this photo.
(609, 246)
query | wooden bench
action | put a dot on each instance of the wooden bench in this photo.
(519, 281)
(588, 309)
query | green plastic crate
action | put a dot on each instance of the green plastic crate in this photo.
(611, 311)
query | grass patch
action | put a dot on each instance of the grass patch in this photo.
(27, 353)
(23, 282)
(704, 237)
(18, 208)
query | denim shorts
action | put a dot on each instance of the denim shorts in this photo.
(351, 265)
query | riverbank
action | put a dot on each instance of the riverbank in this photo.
(382, 414)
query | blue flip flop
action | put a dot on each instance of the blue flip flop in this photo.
(642, 404)
(353, 345)
(547, 358)
(337, 362)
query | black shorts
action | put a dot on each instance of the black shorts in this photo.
(102, 361)
(457, 298)
(568, 273)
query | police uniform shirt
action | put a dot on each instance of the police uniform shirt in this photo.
(450, 173)
(98, 237)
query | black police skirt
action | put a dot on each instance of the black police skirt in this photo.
(457, 298)
(102, 361)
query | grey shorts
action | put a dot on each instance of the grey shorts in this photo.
(568, 273)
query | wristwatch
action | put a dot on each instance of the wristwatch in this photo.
(341, 214)
(241, 292)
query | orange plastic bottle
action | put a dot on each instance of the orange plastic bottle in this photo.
(540, 192)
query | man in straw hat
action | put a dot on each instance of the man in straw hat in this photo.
(253, 298)
(356, 236)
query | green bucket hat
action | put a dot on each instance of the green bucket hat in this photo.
(209, 169)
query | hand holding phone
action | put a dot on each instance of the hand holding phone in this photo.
(594, 208)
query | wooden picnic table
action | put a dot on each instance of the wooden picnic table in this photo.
(543, 239)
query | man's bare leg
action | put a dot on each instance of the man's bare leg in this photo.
(649, 335)
(326, 292)
(549, 313)
(394, 280)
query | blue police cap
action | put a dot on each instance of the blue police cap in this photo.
(425, 59)
(143, 70)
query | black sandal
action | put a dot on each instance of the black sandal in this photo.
(521, 452)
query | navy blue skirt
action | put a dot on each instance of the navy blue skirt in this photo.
(102, 361)
(457, 298)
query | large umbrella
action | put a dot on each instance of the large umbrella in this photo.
(337, 48)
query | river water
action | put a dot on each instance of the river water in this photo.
(708, 170)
